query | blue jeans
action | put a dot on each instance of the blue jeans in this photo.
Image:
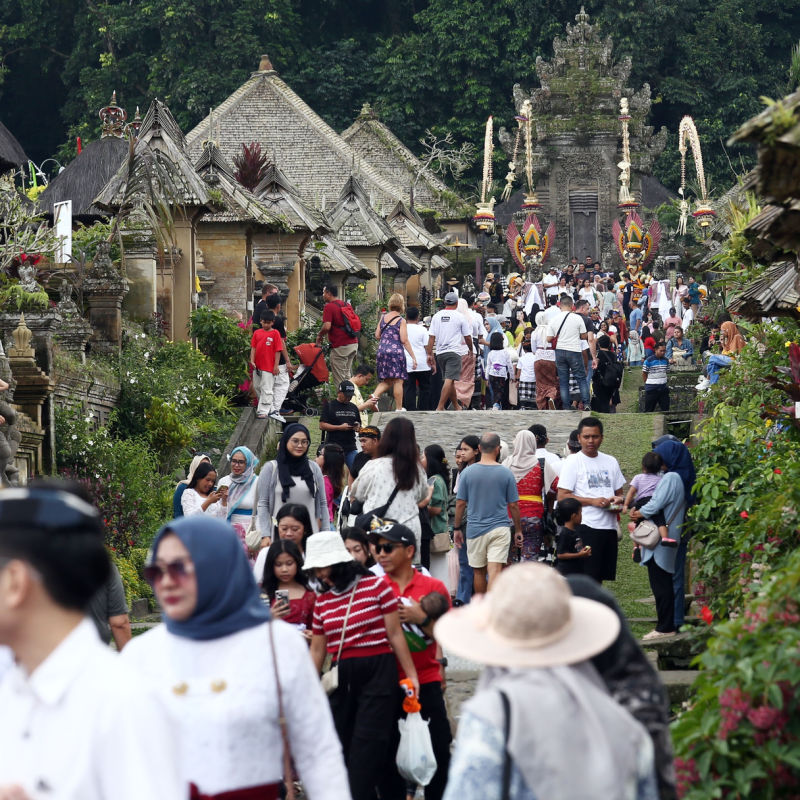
(464, 592)
(678, 581)
(566, 362)
(715, 365)
(349, 458)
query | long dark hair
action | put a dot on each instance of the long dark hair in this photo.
(358, 535)
(473, 442)
(437, 463)
(333, 464)
(202, 470)
(269, 583)
(343, 574)
(298, 512)
(399, 441)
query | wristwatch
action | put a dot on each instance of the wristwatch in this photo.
(442, 661)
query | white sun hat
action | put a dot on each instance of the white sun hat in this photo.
(324, 549)
(529, 619)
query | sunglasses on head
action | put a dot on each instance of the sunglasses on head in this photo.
(388, 547)
(177, 571)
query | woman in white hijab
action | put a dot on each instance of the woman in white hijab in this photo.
(541, 724)
(548, 394)
(177, 508)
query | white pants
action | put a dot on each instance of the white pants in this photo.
(271, 389)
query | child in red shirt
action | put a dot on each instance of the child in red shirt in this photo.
(265, 354)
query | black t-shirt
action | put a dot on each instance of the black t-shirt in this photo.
(626, 295)
(336, 413)
(567, 543)
(261, 305)
(358, 463)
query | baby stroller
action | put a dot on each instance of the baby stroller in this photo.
(312, 372)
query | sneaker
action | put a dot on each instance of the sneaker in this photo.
(703, 384)
(669, 542)
(654, 636)
(277, 417)
(497, 407)
(637, 555)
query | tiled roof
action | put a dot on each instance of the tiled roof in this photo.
(313, 156)
(403, 260)
(240, 205)
(160, 144)
(277, 194)
(356, 223)
(376, 143)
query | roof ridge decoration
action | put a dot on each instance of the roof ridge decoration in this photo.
(410, 228)
(356, 222)
(279, 196)
(113, 118)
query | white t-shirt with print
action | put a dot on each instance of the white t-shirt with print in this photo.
(593, 477)
(418, 339)
(449, 327)
(498, 364)
(570, 336)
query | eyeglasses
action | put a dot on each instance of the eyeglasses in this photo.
(177, 570)
(300, 442)
(387, 548)
(238, 461)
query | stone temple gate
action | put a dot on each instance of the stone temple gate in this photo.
(577, 143)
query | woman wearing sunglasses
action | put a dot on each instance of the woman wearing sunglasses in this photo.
(356, 621)
(213, 661)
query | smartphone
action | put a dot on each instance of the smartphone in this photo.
(282, 596)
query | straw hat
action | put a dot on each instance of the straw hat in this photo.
(529, 619)
(324, 549)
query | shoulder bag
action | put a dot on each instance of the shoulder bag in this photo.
(330, 680)
(554, 343)
(646, 534)
(364, 519)
(287, 753)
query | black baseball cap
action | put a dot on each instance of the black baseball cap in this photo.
(393, 531)
(347, 387)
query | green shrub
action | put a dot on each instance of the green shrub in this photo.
(223, 341)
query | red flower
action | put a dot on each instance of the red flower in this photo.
(744, 515)
(778, 471)
(769, 445)
(707, 614)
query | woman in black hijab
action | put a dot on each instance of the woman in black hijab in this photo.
(634, 683)
(292, 478)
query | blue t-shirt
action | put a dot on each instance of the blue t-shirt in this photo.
(487, 490)
(636, 318)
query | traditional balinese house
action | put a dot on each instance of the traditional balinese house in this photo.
(362, 230)
(225, 237)
(775, 231)
(422, 190)
(279, 256)
(428, 248)
(329, 262)
(88, 173)
(12, 156)
(161, 270)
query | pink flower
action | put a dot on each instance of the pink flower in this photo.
(764, 717)
(744, 515)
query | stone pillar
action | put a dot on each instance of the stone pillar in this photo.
(183, 283)
(141, 269)
(33, 387)
(104, 288)
(289, 277)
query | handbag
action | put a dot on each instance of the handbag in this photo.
(364, 520)
(287, 754)
(330, 680)
(646, 534)
(440, 543)
(554, 343)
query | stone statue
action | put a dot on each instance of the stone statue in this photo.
(66, 305)
(27, 278)
(10, 436)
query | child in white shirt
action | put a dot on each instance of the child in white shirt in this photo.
(499, 370)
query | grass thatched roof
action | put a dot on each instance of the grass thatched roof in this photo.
(11, 152)
(85, 176)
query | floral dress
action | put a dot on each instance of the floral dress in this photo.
(391, 359)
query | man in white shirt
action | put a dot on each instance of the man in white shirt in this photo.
(550, 284)
(552, 459)
(595, 480)
(77, 722)
(451, 333)
(688, 314)
(569, 329)
(417, 386)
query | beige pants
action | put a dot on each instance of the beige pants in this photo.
(342, 359)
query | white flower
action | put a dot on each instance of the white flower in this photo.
(74, 436)
(133, 380)
(90, 443)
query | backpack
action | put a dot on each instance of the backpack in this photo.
(352, 323)
(611, 375)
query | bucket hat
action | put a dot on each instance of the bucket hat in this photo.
(324, 549)
(529, 619)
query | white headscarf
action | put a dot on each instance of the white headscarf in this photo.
(196, 462)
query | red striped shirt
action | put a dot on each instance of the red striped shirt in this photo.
(366, 630)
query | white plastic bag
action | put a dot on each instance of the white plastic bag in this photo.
(415, 759)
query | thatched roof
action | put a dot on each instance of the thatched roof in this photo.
(334, 257)
(239, 204)
(160, 138)
(11, 152)
(312, 155)
(776, 293)
(356, 223)
(85, 177)
(411, 231)
(279, 196)
(402, 260)
(376, 143)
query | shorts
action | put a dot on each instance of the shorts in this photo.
(449, 365)
(490, 546)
